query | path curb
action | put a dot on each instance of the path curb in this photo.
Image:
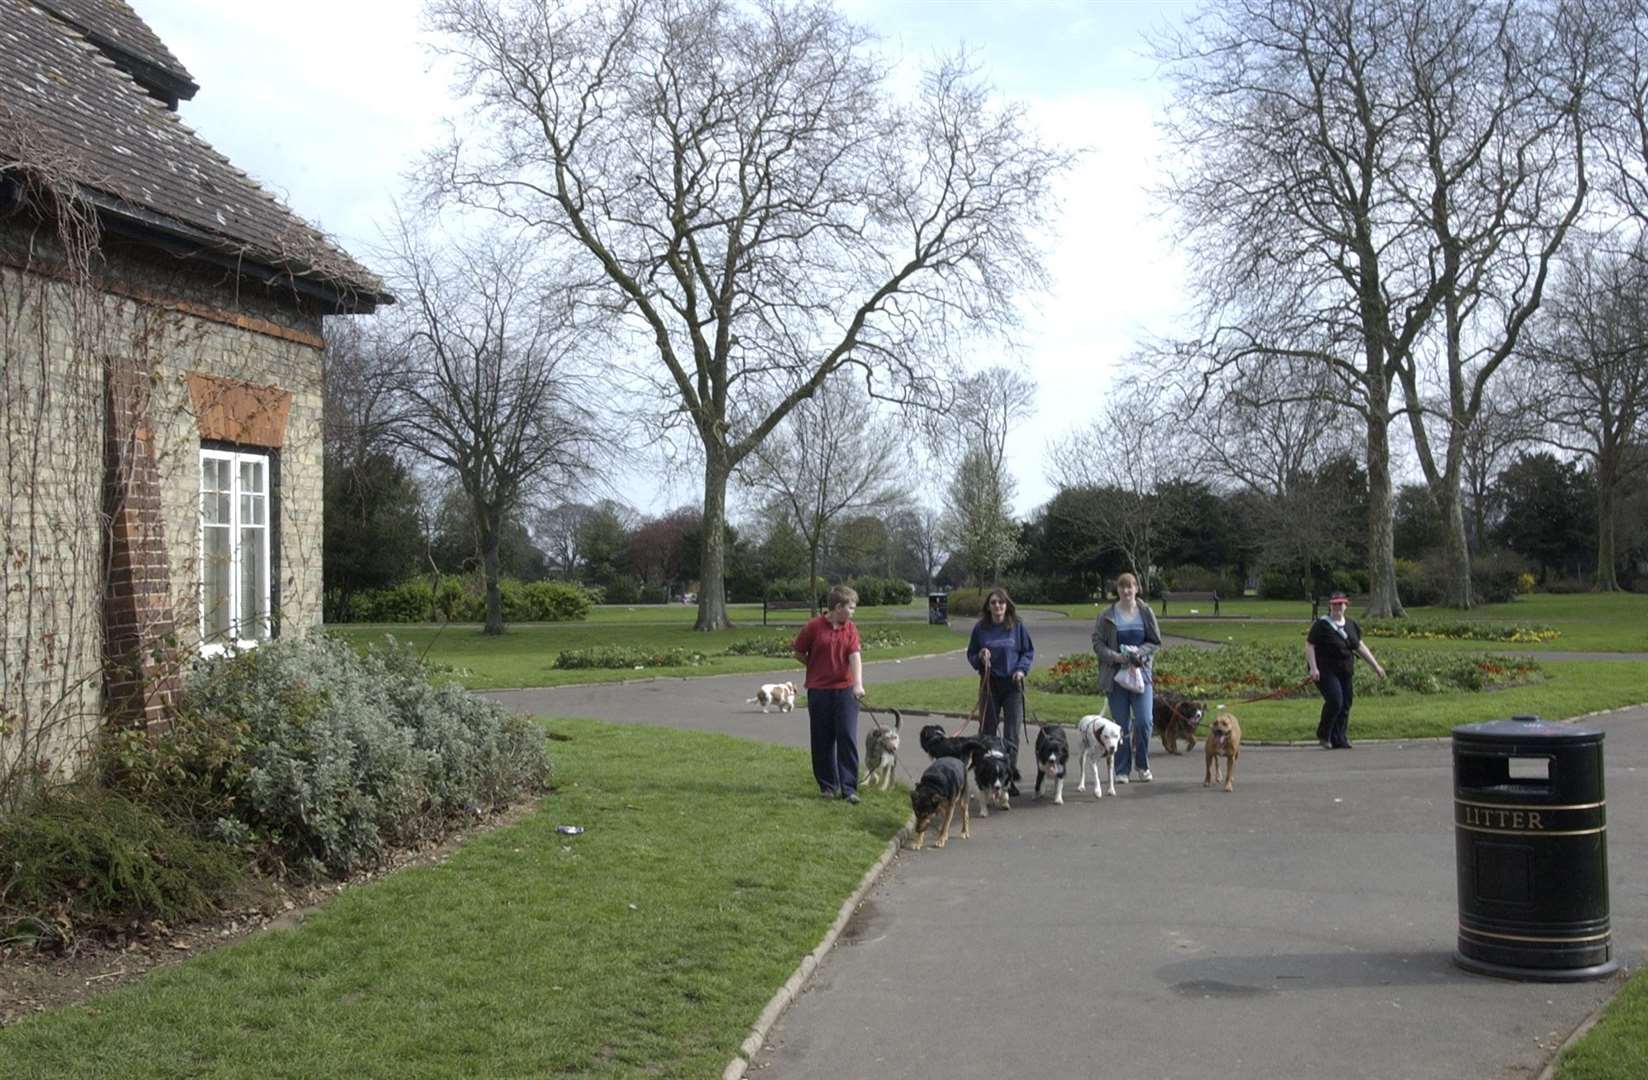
(797, 981)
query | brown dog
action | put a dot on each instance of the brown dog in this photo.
(1176, 718)
(1224, 740)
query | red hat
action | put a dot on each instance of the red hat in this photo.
(1338, 598)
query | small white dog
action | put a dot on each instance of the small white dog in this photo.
(1100, 736)
(781, 694)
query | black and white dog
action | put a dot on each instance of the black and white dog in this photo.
(1100, 737)
(992, 774)
(1052, 752)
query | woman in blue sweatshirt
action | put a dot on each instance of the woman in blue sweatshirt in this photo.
(1001, 644)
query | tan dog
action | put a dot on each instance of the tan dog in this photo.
(1224, 740)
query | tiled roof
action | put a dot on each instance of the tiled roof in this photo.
(116, 28)
(62, 99)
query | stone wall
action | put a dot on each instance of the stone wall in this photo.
(99, 481)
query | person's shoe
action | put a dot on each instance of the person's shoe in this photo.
(1324, 744)
(1122, 779)
(852, 797)
(1013, 790)
(826, 794)
(1342, 746)
(1145, 777)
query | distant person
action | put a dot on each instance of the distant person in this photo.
(1125, 639)
(1331, 648)
(829, 647)
(1001, 645)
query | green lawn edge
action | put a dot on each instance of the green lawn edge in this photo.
(647, 945)
(1616, 1047)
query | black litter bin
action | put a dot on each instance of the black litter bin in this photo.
(938, 609)
(1530, 832)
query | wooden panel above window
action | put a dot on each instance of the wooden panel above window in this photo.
(239, 412)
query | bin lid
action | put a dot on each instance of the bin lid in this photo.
(1520, 730)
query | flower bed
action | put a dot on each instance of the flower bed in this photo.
(1249, 670)
(1459, 630)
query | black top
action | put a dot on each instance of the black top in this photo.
(1335, 651)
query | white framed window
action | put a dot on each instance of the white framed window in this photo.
(234, 549)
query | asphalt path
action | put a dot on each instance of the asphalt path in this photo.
(1299, 927)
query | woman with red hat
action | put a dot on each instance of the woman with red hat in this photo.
(1331, 648)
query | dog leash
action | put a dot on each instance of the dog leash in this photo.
(1290, 688)
(984, 700)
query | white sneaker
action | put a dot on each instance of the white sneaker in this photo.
(1122, 779)
(1145, 777)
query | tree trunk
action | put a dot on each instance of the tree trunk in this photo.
(712, 590)
(1383, 601)
(491, 527)
(1455, 548)
(1607, 580)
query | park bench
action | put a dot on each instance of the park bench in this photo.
(787, 605)
(1358, 602)
(1176, 596)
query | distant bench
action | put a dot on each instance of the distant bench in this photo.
(1359, 602)
(1178, 597)
(787, 605)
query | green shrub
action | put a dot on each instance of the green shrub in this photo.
(1459, 630)
(410, 601)
(82, 858)
(967, 603)
(624, 590)
(348, 755)
(763, 646)
(1495, 576)
(627, 656)
(1564, 586)
(880, 637)
(796, 589)
(1239, 671)
(878, 592)
(544, 601)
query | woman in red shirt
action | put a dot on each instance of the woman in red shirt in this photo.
(829, 646)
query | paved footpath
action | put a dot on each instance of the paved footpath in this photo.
(1300, 927)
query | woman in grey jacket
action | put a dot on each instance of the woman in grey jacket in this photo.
(1126, 635)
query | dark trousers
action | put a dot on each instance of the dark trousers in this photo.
(1336, 698)
(1006, 712)
(833, 716)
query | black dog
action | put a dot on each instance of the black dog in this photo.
(1052, 753)
(1176, 717)
(992, 774)
(939, 745)
(943, 786)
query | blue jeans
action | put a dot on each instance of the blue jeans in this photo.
(833, 717)
(1134, 712)
(1005, 717)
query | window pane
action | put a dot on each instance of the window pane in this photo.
(254, 585)
(215, 583)
(251, 476)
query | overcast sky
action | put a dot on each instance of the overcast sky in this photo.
(327, 104)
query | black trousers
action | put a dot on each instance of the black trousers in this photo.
(833, 721)
(1337, 693)
(1006, 712)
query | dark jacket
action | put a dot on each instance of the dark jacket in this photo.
(1010, 647)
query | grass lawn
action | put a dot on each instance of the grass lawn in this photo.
(1609, 622)
(1617, 1048)
(1570, 689)
(646, 946)
(525, 655)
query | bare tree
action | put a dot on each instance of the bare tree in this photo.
(832, 455)
(1505, 423)
(559, 531)
(920, 529)
(1351, 174)
(750, 201)
(1591, 355)
(488, 386)
(1129, 451)
(978, 523)
(1272, 432)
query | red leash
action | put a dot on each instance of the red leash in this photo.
(1274, 693)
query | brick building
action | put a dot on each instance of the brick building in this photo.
(160, 398)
